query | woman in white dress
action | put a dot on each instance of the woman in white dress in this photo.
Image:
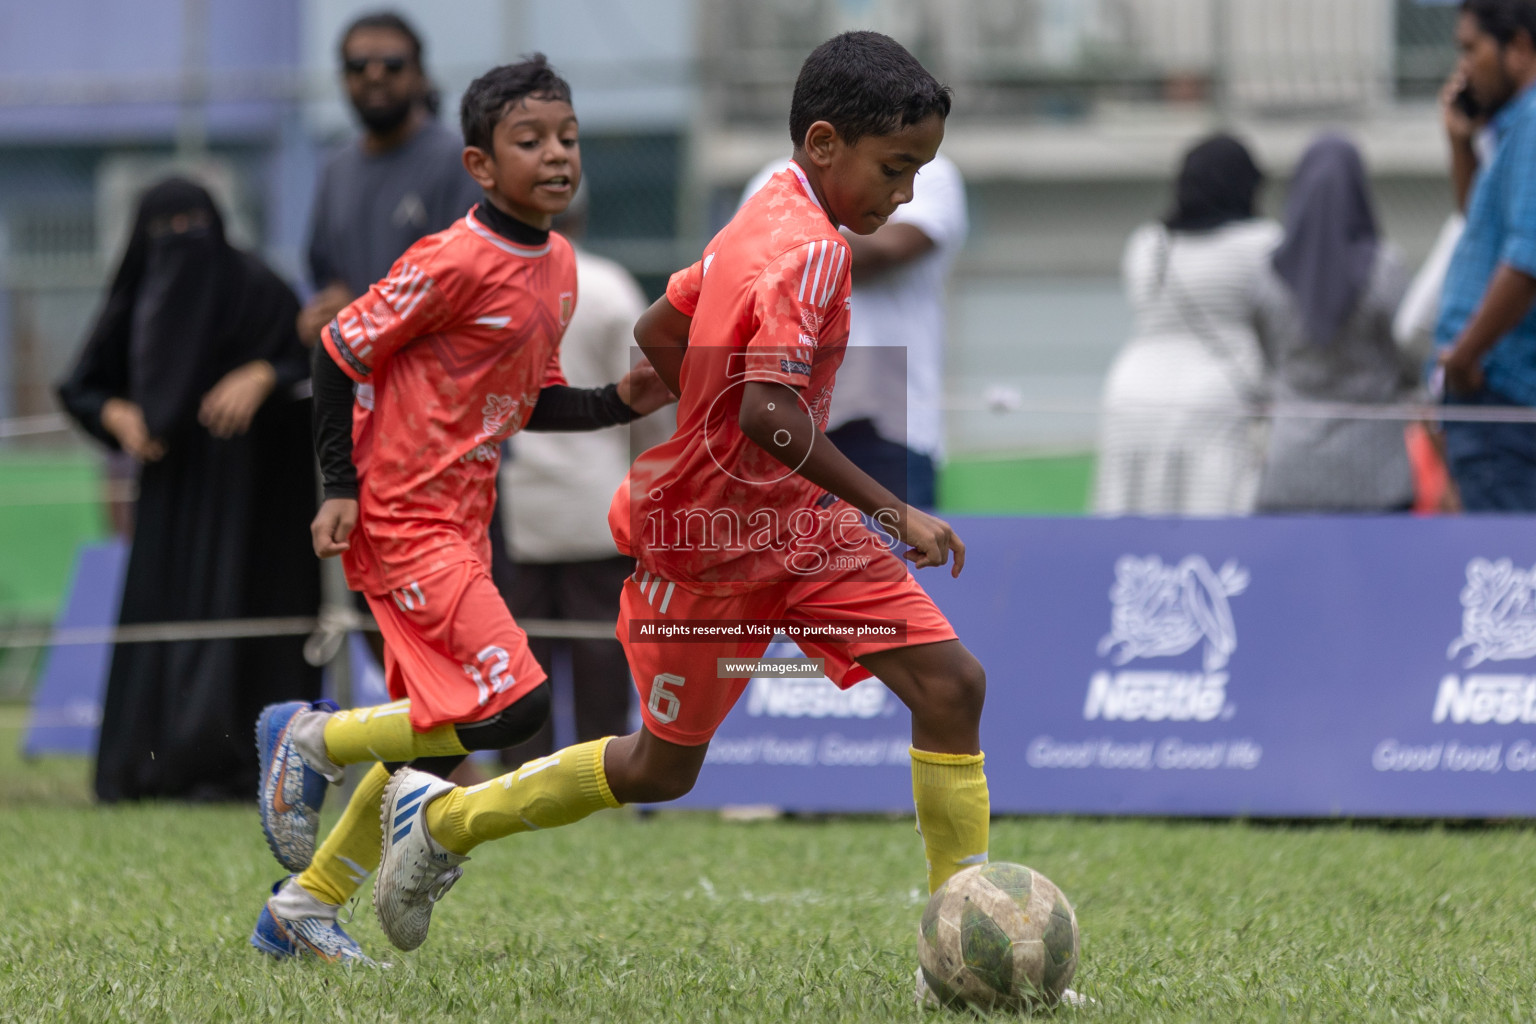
(1182, 431)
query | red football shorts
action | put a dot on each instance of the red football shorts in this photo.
(682, 698)
(453, 648)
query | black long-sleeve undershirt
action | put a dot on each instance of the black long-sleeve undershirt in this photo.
(564, 408)
(559, 408)
(333, 425)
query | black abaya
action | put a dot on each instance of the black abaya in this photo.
(222, 526)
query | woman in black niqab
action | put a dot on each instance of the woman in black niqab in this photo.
(193, 368)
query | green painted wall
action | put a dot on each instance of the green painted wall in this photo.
(1019, 485)
(50, 503)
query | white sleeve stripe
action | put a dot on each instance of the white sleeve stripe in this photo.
(821, 259)
(416, 293)
(406, 289)
(394, 287)
(406, 312)
(398, 283)
(826, 258)
(805, 273)
(832, 278)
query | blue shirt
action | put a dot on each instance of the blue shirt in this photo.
(1501, 229)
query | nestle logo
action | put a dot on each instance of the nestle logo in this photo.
(1157, 697)
(1481, 699)
(817, 698)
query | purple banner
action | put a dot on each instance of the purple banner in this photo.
(66, 707)
(1269, 667)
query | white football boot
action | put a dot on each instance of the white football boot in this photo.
(415, 872)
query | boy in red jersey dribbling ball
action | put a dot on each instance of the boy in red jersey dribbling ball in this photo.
(748, 514)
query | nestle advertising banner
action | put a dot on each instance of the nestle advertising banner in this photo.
(1284, 667)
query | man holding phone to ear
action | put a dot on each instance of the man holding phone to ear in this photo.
(1486, 333)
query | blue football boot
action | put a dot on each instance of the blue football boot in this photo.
(294, 924)
(291, 790)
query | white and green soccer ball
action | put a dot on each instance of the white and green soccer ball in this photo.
(998, 937)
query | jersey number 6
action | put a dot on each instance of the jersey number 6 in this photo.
(664, 703)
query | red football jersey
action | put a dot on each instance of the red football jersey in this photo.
(709, 509)
(449, 353)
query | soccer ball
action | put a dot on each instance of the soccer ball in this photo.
(998, 937)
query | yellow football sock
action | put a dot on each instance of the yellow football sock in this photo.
(384, 733)
(547, 792)
(953, 811)
(351, 852)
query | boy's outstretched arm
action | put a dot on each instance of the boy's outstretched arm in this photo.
(662, 334)
(563, 408)
(774, 418)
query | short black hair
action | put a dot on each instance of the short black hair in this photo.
(387, 20)
(1503, 18)
(864, 83)
(487, 98)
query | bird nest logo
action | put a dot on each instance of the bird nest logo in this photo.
(1160, 611)
(1498, 613)
(497, 411)
(496, 416)
(1498, 623)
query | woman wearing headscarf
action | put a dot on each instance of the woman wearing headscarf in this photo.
(1326, 305)
(192, 368)
(1180, 432)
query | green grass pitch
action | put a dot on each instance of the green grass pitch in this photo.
(142, 914)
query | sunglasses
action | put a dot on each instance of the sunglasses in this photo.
(392, 64)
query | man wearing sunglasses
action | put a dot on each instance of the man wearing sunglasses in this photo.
(403, 179)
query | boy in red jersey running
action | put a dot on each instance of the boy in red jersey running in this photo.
(453, 352)
(749, 513)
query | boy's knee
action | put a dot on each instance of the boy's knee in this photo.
(961, 690)
(642, 780)
(509, 726)
(659, 789)
(971, 684)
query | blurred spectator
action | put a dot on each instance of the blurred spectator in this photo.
(1414, 330)
(1486, 332)
(1326, 305)
(555, 489)
(1414, 325)
(899, 278)
(191, 369)
(1434, 493)
(402, 180)
(1180, 431)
